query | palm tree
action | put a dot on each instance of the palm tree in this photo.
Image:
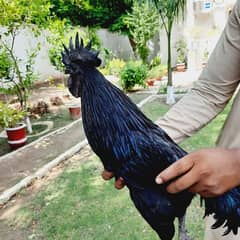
(169, 11)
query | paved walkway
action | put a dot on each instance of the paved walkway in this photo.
(27, 160)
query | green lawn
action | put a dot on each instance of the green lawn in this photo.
(80, 205)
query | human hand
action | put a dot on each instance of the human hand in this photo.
(209, 172)
(119, 183)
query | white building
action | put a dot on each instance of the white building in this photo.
(205, 20)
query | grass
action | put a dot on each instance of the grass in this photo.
(155, 109)
(80, 205)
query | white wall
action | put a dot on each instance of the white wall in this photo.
(26, 41)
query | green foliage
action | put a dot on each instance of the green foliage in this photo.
(17, 13)
(10, 117)
(170, 11)
(16, 81)
(155, 62)
(142, 23)
(17, 76)
(181, 48)
(61, 33)
(6, 64)
(157, 72)
(119, 25)
(134, 73)
(93, 13)
(114, 67)
(162, 88)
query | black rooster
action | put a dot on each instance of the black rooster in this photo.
(133, 147)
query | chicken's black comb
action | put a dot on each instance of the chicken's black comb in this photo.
(77, 51)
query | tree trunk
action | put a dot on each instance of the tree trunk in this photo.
(170, 91)
(134, 47)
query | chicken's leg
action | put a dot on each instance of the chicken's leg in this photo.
(182, 231)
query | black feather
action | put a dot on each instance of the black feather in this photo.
(71, 47)
(89, 45)
(77, 44)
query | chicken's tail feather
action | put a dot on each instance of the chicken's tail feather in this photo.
(225, 210)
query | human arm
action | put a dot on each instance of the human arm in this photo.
(213, 90)
(209, 172)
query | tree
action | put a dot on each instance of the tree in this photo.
(142, 23)
(17, 76)
(92, 13)
(60, 33)
(169, 11)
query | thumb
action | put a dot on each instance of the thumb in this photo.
(175, 170)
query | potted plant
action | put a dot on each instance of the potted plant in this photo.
(10, 120)
(75, 111)
(181, 47)
(150, 82)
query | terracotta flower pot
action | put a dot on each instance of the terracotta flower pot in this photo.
(17, 136)
(150, 82)
(181, 67)
(75, 112)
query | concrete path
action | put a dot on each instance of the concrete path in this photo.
(27, 160)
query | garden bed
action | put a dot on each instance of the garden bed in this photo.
(59, 119)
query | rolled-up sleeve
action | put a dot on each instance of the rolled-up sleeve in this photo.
(214, 88)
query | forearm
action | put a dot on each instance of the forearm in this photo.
(189, 115)
(213, 90)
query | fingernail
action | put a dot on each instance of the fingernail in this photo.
(159, 180)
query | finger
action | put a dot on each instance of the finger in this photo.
(176, 169)
(200, 189)
(119, 183)
(107, 175)
(196, 188)
(207, 194)
(184, 182)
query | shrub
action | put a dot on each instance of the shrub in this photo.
(61, 33)
(115, 66)
(158, 71)
(142, 23)
(156, 61)
(6, 64)
(134, 73)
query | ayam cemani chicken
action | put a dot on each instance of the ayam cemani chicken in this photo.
(133, 147)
